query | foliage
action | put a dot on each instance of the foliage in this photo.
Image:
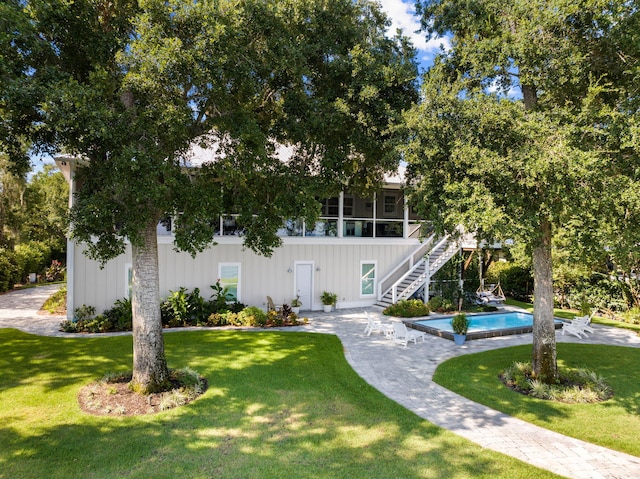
(328, 298)
(516, 281)
(255, 317)
(46, 203)
(184, 308)
(32, 257)
(55, 272)
(130, 87)
(120, 315)
(632, 316)
(460, 323)
(407, 308)
(9, 272)
(572, 386)
(220, 297)
(57, 302)
(252, 316)
(497, 126)
(84, 313)
(440, 305)
(295, 302)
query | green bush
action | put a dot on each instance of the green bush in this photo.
(460, 323)
(441, 305)
(407, 308)
(31, 257)
(9, 272)
(632, 316)
(84, 313)
(252, 316)
(573, 386)
(55, 272)
(516, 281)
(120, 315)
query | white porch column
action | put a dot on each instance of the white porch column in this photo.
(375, 207)
(405, 223)
(341, 215)
(71, 251)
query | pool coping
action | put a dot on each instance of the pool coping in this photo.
(413, 323)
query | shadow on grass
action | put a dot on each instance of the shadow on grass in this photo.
(475, 376)
(278, 405)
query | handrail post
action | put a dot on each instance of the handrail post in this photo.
(427, 280)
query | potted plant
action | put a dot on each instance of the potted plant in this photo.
(328, 300)
(460, 325)
(295, 304)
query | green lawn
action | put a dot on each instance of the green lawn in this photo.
(279, 405)
(614, 423)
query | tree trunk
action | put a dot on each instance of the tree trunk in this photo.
(544, 333)
(150, 373)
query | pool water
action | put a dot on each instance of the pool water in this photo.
(482, 325)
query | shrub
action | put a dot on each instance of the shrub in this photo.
(175, 307)
(441, 305)
(9, 272)
(55, 272)
(120, 315)
(220, 298)
(460, 323)
(573, 386)
(31, 257)
(83, 313)
(516, 281)
(252, 316)
(407, 308)
(632, 316)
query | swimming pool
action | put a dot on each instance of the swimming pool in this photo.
(484, 325)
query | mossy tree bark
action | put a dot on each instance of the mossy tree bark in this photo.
(150, 372)
(544, 362)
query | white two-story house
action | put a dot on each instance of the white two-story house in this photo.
(366, 250)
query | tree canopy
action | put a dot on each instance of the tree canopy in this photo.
(128, 87)
(513, 136)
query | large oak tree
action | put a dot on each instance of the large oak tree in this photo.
(130, 86)
(508, 139)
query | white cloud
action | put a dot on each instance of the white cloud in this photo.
(403, 16)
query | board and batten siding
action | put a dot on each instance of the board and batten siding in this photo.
(336, 268)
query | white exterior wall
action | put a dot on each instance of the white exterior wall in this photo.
(336, 268)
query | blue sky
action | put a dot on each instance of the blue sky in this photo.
(402, 15)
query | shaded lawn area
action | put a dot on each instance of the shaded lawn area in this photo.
(279, 405)
(614, 423)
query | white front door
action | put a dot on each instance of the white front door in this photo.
(304, 284)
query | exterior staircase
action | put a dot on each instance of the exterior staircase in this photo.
(415, 271)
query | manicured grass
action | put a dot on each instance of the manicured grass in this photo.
(279, 405)
(566, 314)
(614, 423)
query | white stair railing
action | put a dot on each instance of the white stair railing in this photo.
(404, 267)
(438, 256)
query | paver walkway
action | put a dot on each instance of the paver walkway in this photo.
(404, 375)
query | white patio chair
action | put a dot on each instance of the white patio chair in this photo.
(578, 327)
(402, 334)
(585, 322)
(374, 325)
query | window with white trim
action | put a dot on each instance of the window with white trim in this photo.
(229, 277)
(367, 278)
